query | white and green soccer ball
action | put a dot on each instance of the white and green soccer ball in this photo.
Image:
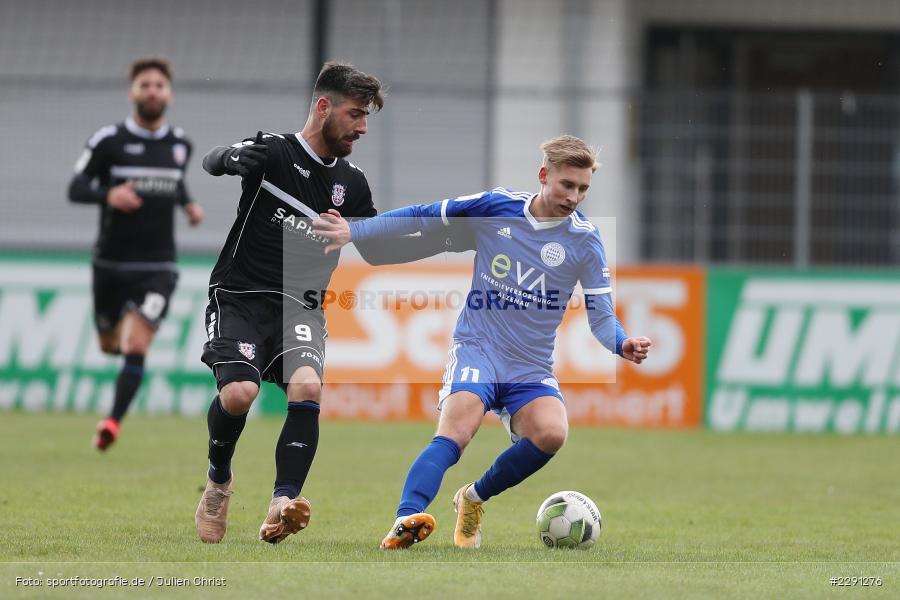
(568, 520)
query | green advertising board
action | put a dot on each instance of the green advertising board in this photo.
(803, 351)
(50, 358)
(786, 350)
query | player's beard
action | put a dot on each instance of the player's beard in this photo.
(337, 144)
(150, 113)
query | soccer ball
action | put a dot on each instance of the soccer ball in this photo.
(568, 520)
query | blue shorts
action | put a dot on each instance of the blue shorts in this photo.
(503, 387)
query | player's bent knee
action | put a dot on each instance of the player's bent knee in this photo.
(461, 437)
(237, 397)
(550, 439)
(308, 391)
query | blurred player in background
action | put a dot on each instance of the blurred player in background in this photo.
(501, 358)
(134, 171)
(265, 319)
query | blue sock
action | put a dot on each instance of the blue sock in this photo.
(512, 467)
(424, 478)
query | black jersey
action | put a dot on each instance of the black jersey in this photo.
(155, 163)
(270, 246)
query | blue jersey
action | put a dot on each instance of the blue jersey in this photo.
(525, 272)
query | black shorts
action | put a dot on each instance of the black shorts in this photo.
(261, 336)
(117, 291)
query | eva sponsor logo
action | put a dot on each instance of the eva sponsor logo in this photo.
(527, 277)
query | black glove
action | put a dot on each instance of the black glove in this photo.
(250, 161)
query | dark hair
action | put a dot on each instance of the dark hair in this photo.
(151, 62)
(342, 80)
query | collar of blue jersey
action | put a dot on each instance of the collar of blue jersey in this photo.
(312, 154)
(132, 126)
(533, 220)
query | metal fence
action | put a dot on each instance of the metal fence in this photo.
(787, 178)
(238, 68)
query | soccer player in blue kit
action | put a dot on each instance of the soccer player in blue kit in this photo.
(532, 249)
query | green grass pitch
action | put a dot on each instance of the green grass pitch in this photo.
(685, 515)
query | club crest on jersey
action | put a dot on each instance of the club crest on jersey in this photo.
(553, 254)
(179, 153)
(247, 349)
(337, 194)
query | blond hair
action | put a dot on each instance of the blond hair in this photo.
(570, 151)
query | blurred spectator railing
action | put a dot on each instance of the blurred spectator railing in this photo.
(797, 178)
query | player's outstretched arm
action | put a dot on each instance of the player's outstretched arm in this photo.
(401, 249)
(247, 160)
(214, 162)
(401, 221)
(410, 248)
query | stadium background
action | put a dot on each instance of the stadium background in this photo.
(748, 194)
(750, 157)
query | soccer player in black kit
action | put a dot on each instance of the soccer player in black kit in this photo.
(265, 320)
(134, 171)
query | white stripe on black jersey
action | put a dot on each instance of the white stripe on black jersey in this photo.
(270, 245)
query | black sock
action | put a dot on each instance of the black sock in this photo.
(296, 448)
(224, 431)
(127, 384)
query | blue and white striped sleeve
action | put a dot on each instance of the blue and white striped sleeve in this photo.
(595, 280)
(418, 217)
(604, 323)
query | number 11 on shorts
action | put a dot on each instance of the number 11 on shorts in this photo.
(466, 371)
